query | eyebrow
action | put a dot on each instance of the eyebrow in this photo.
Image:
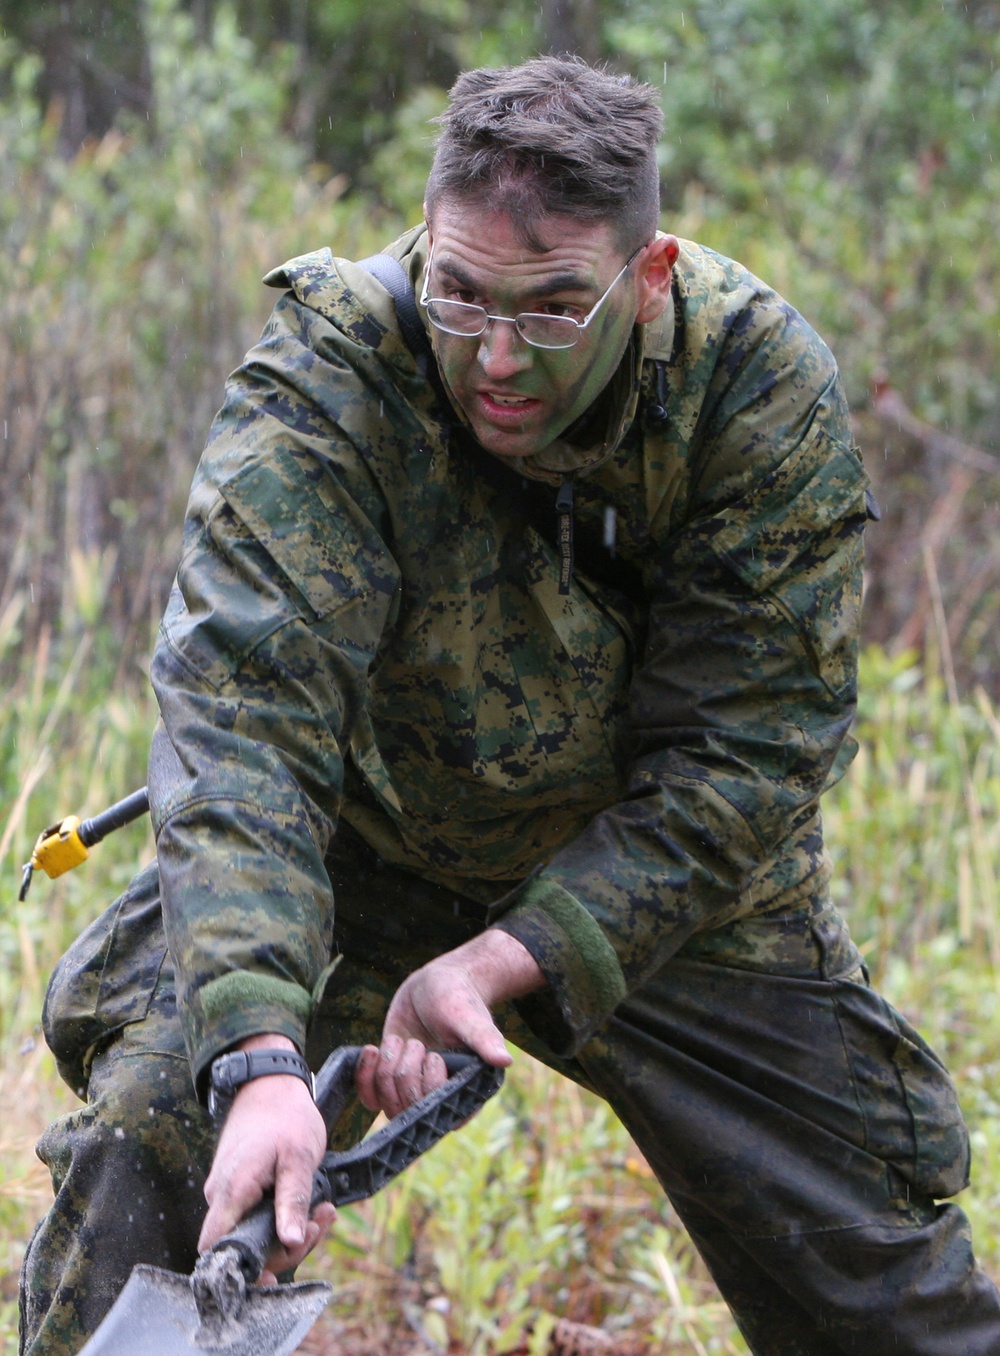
(562, 282)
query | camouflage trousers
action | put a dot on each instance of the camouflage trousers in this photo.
(802, 1130)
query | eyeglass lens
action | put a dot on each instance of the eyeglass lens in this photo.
(543, 331)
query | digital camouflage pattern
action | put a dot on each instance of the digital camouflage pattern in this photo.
(799, 1125)
(128, 1168)
(367, 635)
(367, 624)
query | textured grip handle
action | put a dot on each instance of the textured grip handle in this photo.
(335, 1080)
(360, 1172)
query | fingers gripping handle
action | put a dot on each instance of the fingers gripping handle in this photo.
(253, 1239)
(335, 1081)
(358, 1173)
(355, 1174)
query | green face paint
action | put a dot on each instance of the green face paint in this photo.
(519, 399)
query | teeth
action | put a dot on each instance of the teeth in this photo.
(509, 400)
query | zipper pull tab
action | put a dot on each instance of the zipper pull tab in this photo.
(564, 534)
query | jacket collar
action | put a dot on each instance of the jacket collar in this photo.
(320, 281)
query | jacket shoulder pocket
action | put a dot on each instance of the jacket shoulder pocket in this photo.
(320, 540)
(278, 544)
(795, 516)
(796, 537)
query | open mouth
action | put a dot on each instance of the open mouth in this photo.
(499, 407)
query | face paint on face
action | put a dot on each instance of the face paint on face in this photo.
(519, 399)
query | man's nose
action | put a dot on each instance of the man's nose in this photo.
(502, 351)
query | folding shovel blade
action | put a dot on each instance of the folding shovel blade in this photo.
(156, 1315)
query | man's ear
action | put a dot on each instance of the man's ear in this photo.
(655, 267)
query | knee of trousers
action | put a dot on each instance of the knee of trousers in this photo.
(128, 1171)
(792, 1104)
(106, 981)
(136, 1156)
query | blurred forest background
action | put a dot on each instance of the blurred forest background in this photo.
(156, 158)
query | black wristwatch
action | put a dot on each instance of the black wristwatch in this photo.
(231, 1071)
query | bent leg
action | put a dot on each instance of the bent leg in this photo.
(128, 1168)
(916, 1283)
(802, 1132)
(128, 1171)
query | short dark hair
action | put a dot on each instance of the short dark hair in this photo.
(552, 136)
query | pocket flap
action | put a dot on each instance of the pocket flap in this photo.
(314, 541)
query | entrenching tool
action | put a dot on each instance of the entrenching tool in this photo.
(218, 1308)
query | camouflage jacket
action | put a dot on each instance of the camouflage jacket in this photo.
(367, 623)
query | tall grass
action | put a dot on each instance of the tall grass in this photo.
(129, 286)
(915, 828)
(541, 1209)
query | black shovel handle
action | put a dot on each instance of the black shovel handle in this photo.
(92, 831)
(358, 1173)
(355, 1174)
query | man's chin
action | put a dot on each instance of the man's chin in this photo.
(504, 442)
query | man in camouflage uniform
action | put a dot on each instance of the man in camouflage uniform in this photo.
(536, 655)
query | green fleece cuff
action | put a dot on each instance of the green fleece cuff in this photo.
(237, 1005)
(243, 989)
(584, 976)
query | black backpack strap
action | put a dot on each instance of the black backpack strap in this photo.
(394, 278)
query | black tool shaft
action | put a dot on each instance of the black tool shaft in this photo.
(358, 1173)
(91, 831)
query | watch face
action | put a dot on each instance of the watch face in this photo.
(231, 1071)
(220, 1086)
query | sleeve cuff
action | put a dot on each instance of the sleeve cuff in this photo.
(240, 1004)
(585, 980)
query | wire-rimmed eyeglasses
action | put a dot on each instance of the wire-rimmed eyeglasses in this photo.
(538, 330)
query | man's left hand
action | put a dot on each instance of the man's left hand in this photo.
(445, 1005)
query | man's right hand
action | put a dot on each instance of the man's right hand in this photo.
(273, 1136)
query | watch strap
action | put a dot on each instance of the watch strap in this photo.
(232, 1070)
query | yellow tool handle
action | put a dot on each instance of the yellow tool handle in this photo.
(62, 846)
(59, 848)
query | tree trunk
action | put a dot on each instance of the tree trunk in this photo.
(571, 26)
